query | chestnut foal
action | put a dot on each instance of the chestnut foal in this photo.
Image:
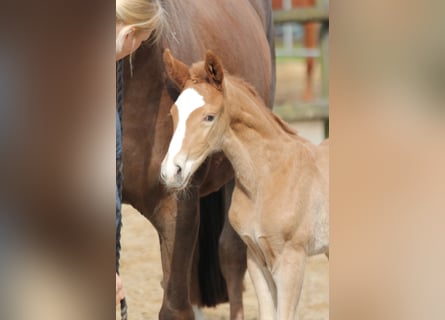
(280, 204)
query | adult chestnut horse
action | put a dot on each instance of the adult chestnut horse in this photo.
(280, 204)
(241, 32)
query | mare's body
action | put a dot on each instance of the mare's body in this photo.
(233, 28)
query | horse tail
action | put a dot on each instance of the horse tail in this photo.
(212, 285)
(124, 309)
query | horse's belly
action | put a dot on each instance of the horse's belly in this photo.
(320, 238)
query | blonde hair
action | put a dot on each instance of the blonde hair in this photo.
(142, 15)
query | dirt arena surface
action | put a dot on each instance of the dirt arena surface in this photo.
(140, 256)
(141, 273)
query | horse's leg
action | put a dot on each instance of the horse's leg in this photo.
(288, 275)
(232, 253)
(264, 287)
(232, 256)
(177, 222)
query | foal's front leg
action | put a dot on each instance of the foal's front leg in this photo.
(264, 287)
(288, 275)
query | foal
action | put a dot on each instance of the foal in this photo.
(280, 202)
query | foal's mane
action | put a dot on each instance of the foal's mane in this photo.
(198, 74)
(248, 88)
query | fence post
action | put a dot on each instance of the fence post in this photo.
(287, 29)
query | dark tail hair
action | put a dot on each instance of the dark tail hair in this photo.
(124, 313)
(212, 285)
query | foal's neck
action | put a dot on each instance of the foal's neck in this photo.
(256, 139)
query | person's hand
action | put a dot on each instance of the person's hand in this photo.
(119, 289)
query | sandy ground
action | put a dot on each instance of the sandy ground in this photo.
(141, 264)
(141, 273)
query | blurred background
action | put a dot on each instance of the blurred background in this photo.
(302, 55)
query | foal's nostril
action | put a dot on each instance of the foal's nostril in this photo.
(178, 169)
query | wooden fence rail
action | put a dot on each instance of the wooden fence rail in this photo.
(301, 15)
(317, 110)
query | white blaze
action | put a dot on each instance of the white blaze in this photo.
(188, 101)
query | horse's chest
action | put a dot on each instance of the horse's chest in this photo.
(242, 216)
(266, 230)
(262, 235)
(249, 229)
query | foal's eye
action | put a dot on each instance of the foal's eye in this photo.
(209, 118)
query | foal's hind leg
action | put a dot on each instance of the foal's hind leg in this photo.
(232, 255)
(288, 275)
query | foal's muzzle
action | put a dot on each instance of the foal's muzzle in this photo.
(173, 174)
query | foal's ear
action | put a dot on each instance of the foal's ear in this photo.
(214, 69)
(176, 70)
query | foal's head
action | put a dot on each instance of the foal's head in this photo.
(197, 117)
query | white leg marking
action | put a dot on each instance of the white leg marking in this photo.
(199, 315)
